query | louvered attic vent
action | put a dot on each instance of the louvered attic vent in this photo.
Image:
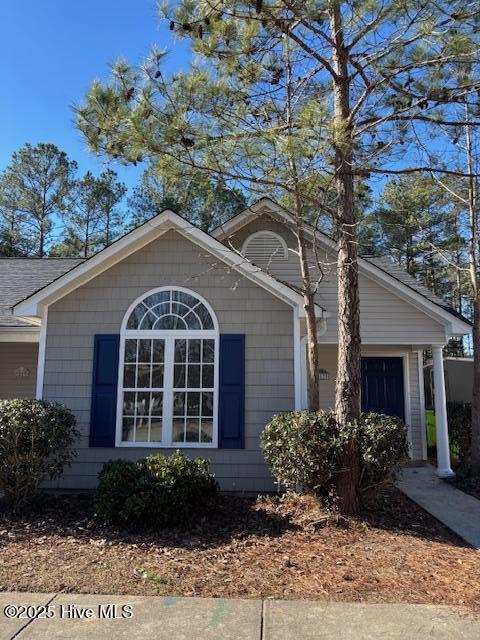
(265, 247)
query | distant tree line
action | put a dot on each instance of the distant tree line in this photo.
(47, 209)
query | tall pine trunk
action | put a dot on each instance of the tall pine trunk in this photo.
(347, 399)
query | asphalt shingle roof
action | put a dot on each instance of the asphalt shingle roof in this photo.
(20, 277)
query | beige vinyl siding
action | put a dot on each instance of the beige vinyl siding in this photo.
(384, 317)
(14, 355)
(241, 307)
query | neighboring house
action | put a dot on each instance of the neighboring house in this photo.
(458, 380)
(171, 339)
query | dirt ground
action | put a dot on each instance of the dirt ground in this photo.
(272, 547)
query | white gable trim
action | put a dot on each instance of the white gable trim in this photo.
(453, 326)
(140, 237)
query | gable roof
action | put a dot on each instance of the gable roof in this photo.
(34, 303)
(382, 269)
(20, 277)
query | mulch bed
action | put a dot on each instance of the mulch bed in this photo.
(271, 547)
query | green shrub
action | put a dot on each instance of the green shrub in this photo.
(460, 429)
(36, 442)
(156, 491)
(304, 448)
(383, 447)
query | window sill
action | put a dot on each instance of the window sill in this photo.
(160, 445)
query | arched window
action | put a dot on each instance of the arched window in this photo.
(169, 371)
(265, 247)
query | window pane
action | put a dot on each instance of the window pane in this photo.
(208, 350)
(148, 321)
(178, 323)
(136, 316)
(157, 376)
(158, 350)
(192, 321)
(156, 430)
(191, 431)
(156, 407)
(144, 350)
(130, 350)
(186, 298)
(180, 350)
(179, 309)
(127, 430)
(161, 309)
(157, 298)
(129, 403)
(194, 350)
(179, 404)
(204, 315)
(206, 431)
(178, 430)
(129, 376)
(193, 376)
(143, 376)
(179, 376)
(143, 403)
(141, 429)
(165, 323)
(207, 404)
(193, 404)
(207, 376)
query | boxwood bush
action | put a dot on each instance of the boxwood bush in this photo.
(460, 430)
(303, 448)
(156, 491)
(36, 442)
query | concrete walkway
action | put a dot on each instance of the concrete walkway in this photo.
(87, 617)
(455, 509)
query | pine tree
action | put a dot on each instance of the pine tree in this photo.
(36, 189)
(282, 92)
(92, 220)
(205, 201)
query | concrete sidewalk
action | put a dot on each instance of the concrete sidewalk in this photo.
(87, 617)
(455, 509)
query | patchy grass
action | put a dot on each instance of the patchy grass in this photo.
(271, 547)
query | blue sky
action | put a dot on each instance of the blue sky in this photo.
(51, 50)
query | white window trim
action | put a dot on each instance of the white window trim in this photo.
(263, 232)
(169, 337)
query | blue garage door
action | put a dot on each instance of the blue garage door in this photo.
(382, 386)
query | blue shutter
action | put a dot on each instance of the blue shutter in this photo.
(231, 410)
(104, 391)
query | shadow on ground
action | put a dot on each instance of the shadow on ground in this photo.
(236, 517)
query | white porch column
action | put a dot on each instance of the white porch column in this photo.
(441, 425)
